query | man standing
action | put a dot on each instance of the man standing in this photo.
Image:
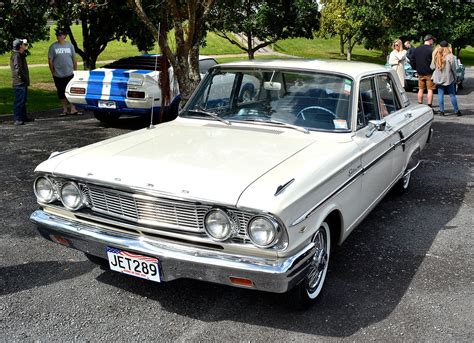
(410, 50)
(20, 81)
(62, 63)
(421, 62)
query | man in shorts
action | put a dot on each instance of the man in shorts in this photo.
(421, 63)
(62, 63)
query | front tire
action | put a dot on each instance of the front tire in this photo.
(308, 291)
(107, 117)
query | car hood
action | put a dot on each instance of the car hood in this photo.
(197, 159)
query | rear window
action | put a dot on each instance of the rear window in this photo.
(137, 62)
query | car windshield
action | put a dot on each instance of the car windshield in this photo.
(310, 100)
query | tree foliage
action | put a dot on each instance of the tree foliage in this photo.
(22, 19)
(339, 19)
(263, 22)
(102, 21)
(187, 18)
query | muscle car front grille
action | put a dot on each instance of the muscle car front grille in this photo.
(174, 214)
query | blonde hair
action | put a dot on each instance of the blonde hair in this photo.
(399, 42)
(439, 57)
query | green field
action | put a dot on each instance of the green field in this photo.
(42, 95)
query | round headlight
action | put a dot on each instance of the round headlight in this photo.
(44, 190)
(71, 196)
(218, 225)
(263, 231)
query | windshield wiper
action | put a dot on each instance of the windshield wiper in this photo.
(282, 123)
(211, 114)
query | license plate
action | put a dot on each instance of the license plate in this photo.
(107, 104)
(133, 264)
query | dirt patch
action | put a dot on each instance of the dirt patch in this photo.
(46, 86)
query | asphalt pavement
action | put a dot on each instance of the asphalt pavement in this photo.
(406, 273)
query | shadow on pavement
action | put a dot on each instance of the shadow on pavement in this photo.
(36, 274)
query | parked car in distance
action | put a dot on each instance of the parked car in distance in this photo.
(128, 86)
(268, 167)
(411, 76)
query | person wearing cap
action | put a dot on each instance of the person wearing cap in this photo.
(421, 62)
(20, 81)
(444, 75)
(62, 63)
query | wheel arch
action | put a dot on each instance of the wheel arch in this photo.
(335, 222)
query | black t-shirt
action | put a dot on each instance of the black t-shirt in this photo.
(422, 59)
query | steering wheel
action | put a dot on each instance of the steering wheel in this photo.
(301, 114)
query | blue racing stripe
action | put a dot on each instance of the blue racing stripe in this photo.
(94, 86)
(118, 88)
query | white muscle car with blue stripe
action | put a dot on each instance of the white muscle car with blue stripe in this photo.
(268, 167)
(126, 86)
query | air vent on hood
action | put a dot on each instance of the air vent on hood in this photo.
(246, 128)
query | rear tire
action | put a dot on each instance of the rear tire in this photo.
(308, 291)
(401, 187)
(107, 117)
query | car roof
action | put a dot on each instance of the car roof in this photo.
(353, 69)
(141, 62)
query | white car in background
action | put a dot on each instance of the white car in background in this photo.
(128, 86)
(249, 188)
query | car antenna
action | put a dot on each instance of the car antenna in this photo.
(157, 83)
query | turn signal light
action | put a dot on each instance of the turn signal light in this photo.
(241, 281)
(135, 94)
(77, 90)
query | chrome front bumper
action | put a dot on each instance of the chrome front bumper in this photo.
(179, 261)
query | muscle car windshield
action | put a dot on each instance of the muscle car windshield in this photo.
(316, 101)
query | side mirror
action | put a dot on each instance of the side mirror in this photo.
(376, 125)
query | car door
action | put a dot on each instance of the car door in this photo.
(376, 145)
(401, 121)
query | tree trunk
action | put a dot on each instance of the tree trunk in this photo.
(341, 45)
(349, 48)
(250, 50)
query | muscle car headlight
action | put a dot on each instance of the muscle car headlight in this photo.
(44, 190)
(71, 196)
(263, 232)
(219, 225)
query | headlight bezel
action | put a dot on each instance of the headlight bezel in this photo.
(277, 228)
(233, 229)
(80, 202)
(39, 198)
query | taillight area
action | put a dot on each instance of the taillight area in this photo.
(136, 95)
(77, 90)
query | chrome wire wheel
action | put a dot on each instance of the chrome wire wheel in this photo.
(320, 261)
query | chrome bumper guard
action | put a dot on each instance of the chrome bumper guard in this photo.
(179, 261)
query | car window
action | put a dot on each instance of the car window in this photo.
(204, 65)
(367, 108)
(311, 100)
(388, 102)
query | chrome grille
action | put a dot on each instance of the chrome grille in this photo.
(181, 215)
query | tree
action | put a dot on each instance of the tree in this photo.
(187, 18)
(22, 19)
(263, 22)
(101, 21)
(337, 18)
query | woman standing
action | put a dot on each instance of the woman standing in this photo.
(397, 60)
(444, 75)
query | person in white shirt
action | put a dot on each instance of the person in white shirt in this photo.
(397, 60)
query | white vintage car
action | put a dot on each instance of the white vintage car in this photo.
(269, 166)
